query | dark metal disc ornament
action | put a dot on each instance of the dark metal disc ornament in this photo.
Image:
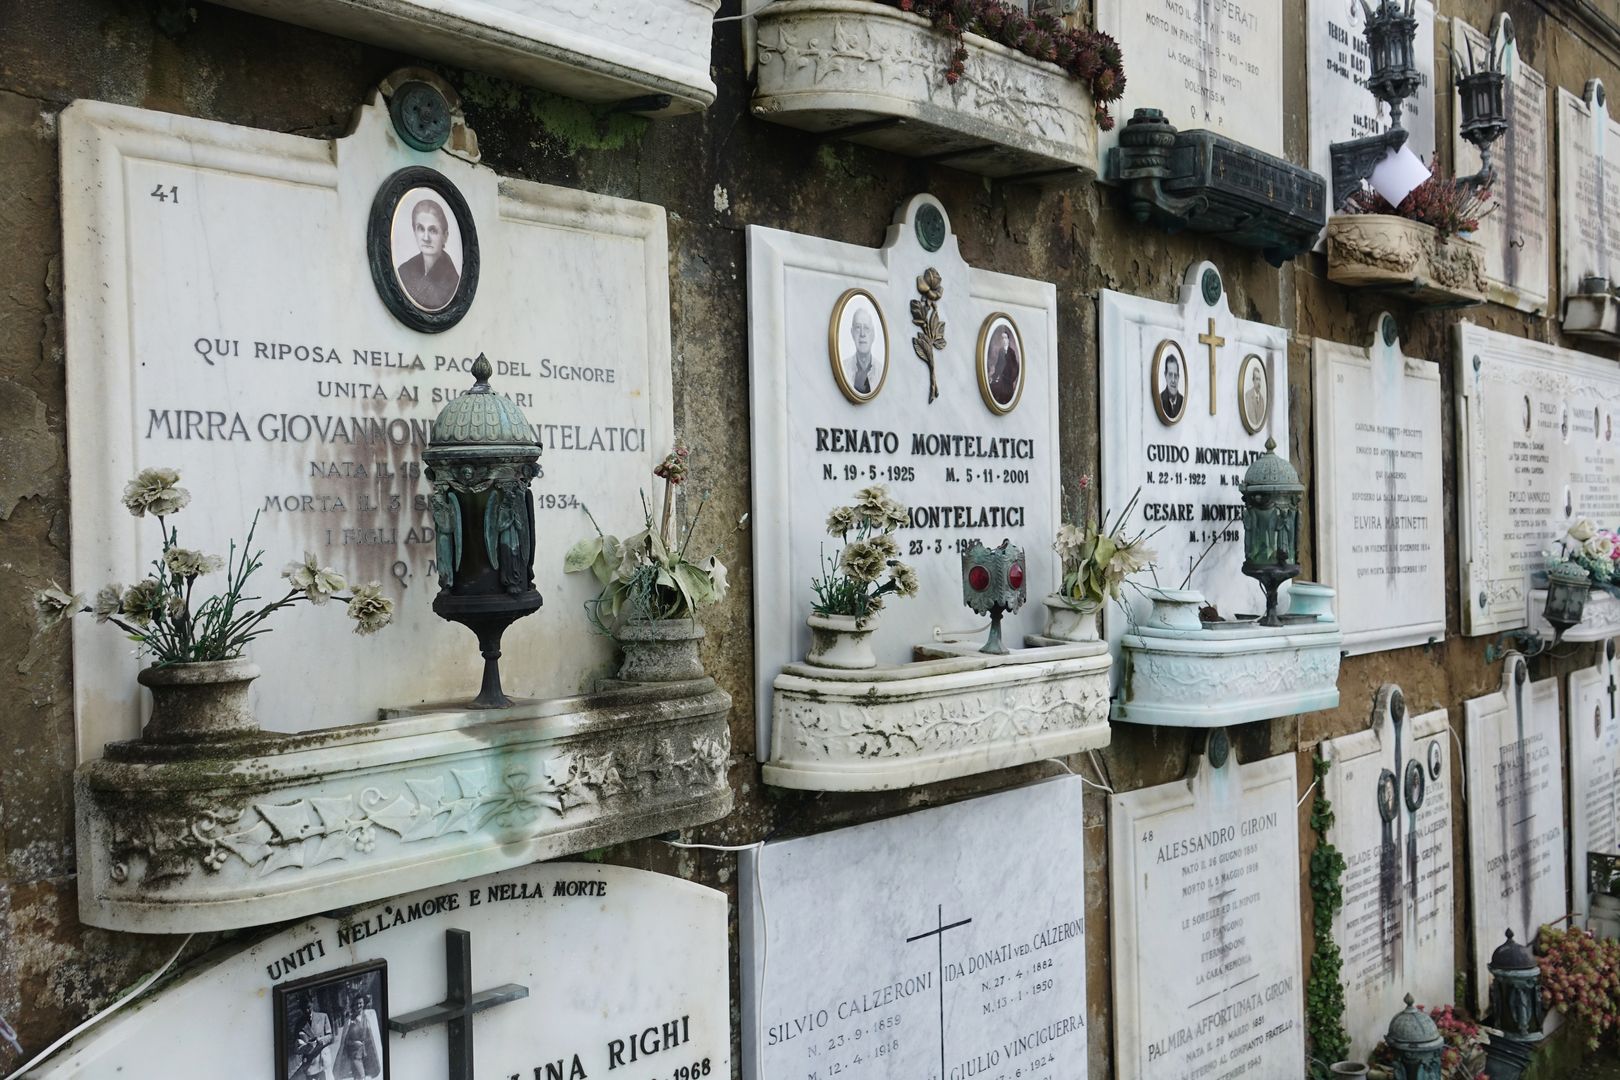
(930, 226)
(421, 115)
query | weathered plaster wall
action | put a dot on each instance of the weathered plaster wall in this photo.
(716, 173)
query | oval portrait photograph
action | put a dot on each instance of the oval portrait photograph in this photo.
(1169, 382)
(423, 249)
(858, 345)
(1254, 394)
(1001, 363)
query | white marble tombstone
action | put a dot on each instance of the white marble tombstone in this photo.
(1594, 768)
(1186, 452)
(1207, 965)
(1390, 787)
(1380, 529)
(221, 318)
(943, 943)
(1515, 791)
(1588, 188)
(1518, 248)
(1212, 66)
(625, 973)
(1342, 108)
(1538, 448)
(826, 423)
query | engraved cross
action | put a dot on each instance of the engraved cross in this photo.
(459, 1005)
(1214, 341)
(938, 934)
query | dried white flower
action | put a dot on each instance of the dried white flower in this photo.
(56, 605)
(370, 609)
(155, 491)
(317, 582)
(108, 601)
(717, 576)
(183, 562)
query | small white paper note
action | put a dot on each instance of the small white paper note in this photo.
(1396, 176)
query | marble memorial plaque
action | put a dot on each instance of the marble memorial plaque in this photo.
(1193, 394)
(1208, 976)
(1205, 66)
(1588, 189)
(1390, 787)
(1342, 107)
(610, 971)
(1515, 811)
(1539, 448)
(937, 945)
(309, 403)
(1379, 491)
(1594, 768)
(951, 404)
(1518, 249)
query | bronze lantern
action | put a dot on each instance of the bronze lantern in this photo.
(1481, 97)
(1391, 32)
(481, 458)
(1516, 1009)
(993, 583)
(1415, 1043)
(1271, 496)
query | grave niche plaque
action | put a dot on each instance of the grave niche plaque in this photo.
(1390, 787)
(309, 403)
(937, 945)
(1205, 888)
(1539, 448)
(1380, 533)
(1588, 189)
(1518, 251)
(1515, 812)
(1594, 768)
(579, 970)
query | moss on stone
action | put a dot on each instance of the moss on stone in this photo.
(575, 124)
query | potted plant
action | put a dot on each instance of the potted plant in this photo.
(1419, 247)
(1096, 560)
(650, 589)
(199, 677)
(851, 588)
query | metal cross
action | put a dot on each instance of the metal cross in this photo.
(1214, 341)
(459, 1005)
(938, 934)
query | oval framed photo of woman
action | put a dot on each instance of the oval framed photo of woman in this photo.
(858, 346)
(1001, 363)
(1254, 394)
(423, 248)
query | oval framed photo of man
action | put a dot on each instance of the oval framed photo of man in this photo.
(422, 244)
(858, 345)
(1000, 363)
(1170, 382)
(1254, 394)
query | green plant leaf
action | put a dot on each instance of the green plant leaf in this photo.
(582, 555)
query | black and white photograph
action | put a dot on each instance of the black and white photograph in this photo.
(1001, 363)
(858, 345)
(1528, 416)
(334, 1026)
(1169, 382)
(1254, 394)
(423, 249)
(1435, 762)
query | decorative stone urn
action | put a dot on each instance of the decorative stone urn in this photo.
(1383, 251)
(841, 641)
(1175, 609)
(1071, 620)
(660, 650)
(1310, 598)
(199, 702)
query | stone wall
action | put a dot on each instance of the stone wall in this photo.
(716, 173)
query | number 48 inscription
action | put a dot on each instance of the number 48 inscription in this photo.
(164, 194)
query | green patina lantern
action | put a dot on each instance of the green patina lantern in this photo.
(1567, 589)
(1414, 1041)
(993, 583)
(1271, 496)
(1516, 1009)
(481, 458)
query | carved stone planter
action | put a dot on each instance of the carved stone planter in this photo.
(650, 54)
(1071, 621)
(838, 641)
(209, 836)
(1382, 251)
(876, 75)
(202, 701)
(663, 650)
(955, 712)
(1600, 619)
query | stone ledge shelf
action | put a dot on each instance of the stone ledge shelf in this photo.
(1600, 619)
(650, 56)
(954, 712)
(1593, 313)
(1396, 254)
(875, 75)
(202, 837)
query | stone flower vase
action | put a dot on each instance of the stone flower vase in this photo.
(660, 650)
(1175, 609)
(1071, 620)
(837, 641)
(1348, 1068)
(199, 702)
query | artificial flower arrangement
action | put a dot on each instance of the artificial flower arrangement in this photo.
(1595, 550)
(162, 612)
(868, 568)
(1448, 205)
(1464, 1055)
(1580, 976)
(1097, 558)
(649, 576)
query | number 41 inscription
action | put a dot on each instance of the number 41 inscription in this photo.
(164, 194)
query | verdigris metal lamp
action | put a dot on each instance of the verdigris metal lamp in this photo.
(1568, 587)
(1391, 33)
(1480, 92)
(1516, 1009)
(1415, 1043)
(1271, 495)
(993, 583)
(481, 458)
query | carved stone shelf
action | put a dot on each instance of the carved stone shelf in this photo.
(652, 55)
(953, 713)
(207, 837)
(1396, 254)
(1600, 619)
(1594, 315)
(875, 75)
